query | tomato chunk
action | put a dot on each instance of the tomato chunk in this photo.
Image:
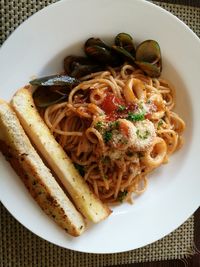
(111, 103)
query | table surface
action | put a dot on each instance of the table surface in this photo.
(193, 261)
(183, 2)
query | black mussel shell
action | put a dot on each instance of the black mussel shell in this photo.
(96, 41)
(123, 53)
(148, 58)
(103, 55)
(126, 41)
(43, 97)
(77, 66)
(152, 70)
(148, 51)
(58, 80)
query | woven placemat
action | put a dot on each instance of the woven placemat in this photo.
(13, 13)
(19, 247)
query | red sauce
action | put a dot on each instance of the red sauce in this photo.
(111, 103)
(111, 106)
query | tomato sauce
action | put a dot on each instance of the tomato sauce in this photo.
(111, 103)
(111, 106)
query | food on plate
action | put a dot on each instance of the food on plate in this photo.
(115, 119)
(99, 55)
(102, 126)
(38, 179)
(84, 199)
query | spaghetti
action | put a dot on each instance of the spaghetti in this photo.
(117, 126)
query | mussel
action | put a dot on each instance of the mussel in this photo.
(99, 55)
(77, 66)
(148, 58)
(100, 52)
(57, 80)
(125, 41)
(52, 89)
(150, 69)
(44, 97)
(124, 47)
(123, 53)
(148, 51)
(96, 41)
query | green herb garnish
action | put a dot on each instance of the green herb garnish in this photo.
(121, 195)
(99, 125)
(135, 116)
(160, 123)
(114, 125)
(107, 136)
(121, 108)
(80, 169)
(142, 135)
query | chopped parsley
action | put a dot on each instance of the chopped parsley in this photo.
(142, 135)
(108, 130)
(121, 108)
(135, 116)
(114, 125)
(99, 125)
(160, 123)
(122, 195)
(80, 169)
(107, 136)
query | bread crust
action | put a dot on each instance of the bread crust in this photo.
(84, 199)
(38, 179)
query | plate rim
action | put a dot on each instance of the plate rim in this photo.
(32, 17)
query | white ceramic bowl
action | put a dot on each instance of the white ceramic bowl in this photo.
(38, 47)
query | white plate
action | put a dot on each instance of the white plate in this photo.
(38, 47)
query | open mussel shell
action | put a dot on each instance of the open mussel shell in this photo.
(123, 53)
(58, 80)
(95, 41)
(148, 51)
(148, 58)
(82, 70)
(70, 61)
(77, 66)
(126, 41)
(103, 55)
(151, 70)
(98, 53)
(43, 97)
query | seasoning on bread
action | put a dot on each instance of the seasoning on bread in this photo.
(40, 182)
(84, 199)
